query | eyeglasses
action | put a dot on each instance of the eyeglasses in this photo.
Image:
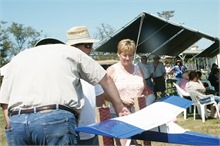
(86, 45)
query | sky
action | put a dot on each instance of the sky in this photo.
(55, 17)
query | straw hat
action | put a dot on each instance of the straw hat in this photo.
(46, 41)
(79, 34)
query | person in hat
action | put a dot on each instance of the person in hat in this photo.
(148, 71)
(159, 76)
(146, 67)
(178, 69)
(156, 57)
(42, 94)
(79, 37)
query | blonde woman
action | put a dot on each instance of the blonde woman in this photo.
(127, 76)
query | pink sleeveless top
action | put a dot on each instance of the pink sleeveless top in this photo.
(128, 85)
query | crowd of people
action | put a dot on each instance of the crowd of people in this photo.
(52, 88)
(188, 80)
(195, 84)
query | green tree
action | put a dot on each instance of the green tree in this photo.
(15, 38)
(166, 14)
(22, 37)
(5, 43)
(104, 31)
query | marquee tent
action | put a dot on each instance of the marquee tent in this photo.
(155, 35)
(211, 51)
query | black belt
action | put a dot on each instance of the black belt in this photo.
(158, 77)
(42, 108)
(148, 78)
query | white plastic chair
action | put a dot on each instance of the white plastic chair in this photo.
(196, 96)
(182, 94)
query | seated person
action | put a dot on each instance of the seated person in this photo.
(185, 79)
(214, 79)
(208, 90)
(195, 84)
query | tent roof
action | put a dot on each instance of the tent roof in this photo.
(154, 35)
(211, 51)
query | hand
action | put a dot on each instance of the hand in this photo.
(128, 101)
(7, 126)
(124, 112)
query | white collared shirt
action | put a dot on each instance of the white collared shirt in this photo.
(147, 69)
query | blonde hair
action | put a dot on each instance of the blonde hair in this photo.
(126, 45)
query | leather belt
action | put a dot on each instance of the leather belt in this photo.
(148, 78)
(42, 108)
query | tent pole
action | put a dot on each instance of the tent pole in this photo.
(139, 31)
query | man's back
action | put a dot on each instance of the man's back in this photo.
(41, 76)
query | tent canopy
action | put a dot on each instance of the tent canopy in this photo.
(154, 35)
(211, 51)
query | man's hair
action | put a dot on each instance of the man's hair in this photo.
(199, 73)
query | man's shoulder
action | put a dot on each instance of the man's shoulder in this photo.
(149, 63)
(139, 63)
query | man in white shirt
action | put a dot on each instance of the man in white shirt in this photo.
(159, 76)
(147, 67)
(79, 37)
(42, 94)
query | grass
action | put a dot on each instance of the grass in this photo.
(211, 126)
(2, 132)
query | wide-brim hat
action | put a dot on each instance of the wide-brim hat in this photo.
(78, 35)
(179, 61)
(143, 57)
(156, 57)
(46, 41)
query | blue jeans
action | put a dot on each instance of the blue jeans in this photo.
(50, 128)
(205, 100)
(208, 99)
(150, 84)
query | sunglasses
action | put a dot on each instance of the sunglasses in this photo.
(86, 45)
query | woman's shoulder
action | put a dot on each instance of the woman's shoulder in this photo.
(111, 69)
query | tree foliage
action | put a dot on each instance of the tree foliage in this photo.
(166, 14)
(15, 38)
(24, 37)
(104, 31)
(5, 43)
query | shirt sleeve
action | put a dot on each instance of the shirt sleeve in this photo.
(5, 88)
(98, 90)
(90, 70)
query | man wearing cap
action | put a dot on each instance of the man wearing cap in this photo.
(148, 71)
(178, 69)
(79, 37)
(42, 94)
(159, 76)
